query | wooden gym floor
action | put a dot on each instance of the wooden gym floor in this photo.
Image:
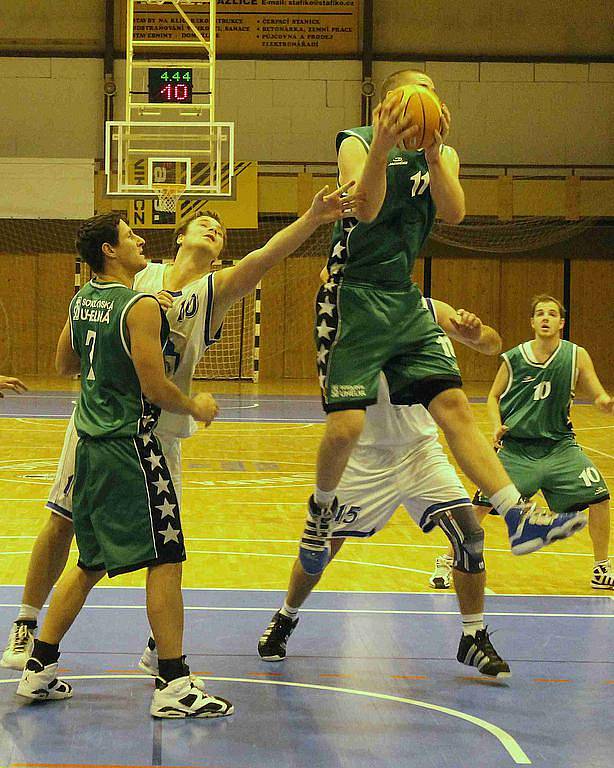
(246, 479)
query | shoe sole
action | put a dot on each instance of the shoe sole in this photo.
(32, 697)
(500, 676)
(562, 532)
(271, 658)
(188, 716)
(602, 586)
(439, 583)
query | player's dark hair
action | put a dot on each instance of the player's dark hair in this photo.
(395, 80)
(543, 298)
(182, 227)
(93, 234)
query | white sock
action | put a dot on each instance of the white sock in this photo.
(288, 611)
(28, 613)
(472, 622)
(505, 499)
(605, 562)
(324, 498)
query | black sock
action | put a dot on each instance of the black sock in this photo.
(46, 653)
(171, 669)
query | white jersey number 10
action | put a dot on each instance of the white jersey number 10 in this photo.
(542, 390)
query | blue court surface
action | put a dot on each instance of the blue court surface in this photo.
(236, 408)
(371, 679)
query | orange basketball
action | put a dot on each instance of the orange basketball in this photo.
(424, 108)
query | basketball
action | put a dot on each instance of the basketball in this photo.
(424, 107)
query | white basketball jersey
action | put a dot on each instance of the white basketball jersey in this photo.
(191, 334)
(395, 426)
(395, 430)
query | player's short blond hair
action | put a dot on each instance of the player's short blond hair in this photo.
(543, 298)
(395, 79)
(182, 227)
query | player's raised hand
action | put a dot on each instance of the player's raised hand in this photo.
(10, 382)
(204, 408)
(432, 154)
(391, 127)
(327, 207)
(165, 300)
(605, 404)
(467, 324)
(498, 436)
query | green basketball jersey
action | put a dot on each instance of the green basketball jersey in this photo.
(383, 252)
(111, 402)
(535, 404)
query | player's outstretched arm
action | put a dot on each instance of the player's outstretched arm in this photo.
(144, 322)
(467, 328)
(492, 404)
(444, 167)
(589, 382)
(234, 282)
(67, 361)
(10, 382)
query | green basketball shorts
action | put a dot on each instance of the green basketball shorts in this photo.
(125, 509)
(361, 331)
(561, 470)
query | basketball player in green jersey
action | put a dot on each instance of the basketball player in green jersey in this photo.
(197, 301)
(528, 406)
(126, 514)
(370, 318)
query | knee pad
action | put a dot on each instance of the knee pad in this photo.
(466, 536)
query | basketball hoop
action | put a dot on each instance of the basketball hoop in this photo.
(168, 195)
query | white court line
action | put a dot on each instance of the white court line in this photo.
(594, 450)
(360, 611)
(505, 739)
(350, 540)
(237, 407)
(271, 554)
(585, 429)
(430, 593)
(293, 557)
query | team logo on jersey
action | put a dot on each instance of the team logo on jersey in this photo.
(527, 379)
(398, 161)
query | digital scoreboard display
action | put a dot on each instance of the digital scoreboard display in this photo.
(171, 85)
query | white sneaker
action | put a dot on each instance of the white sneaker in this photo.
(149, 660)
(19, 646)
(41, 684)
(442, 575)
(603, 576)
(149, 663)
(181, 698)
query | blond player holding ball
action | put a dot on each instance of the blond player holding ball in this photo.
(371, 319)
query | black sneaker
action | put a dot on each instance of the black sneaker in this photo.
(479, 652)
(272, 644)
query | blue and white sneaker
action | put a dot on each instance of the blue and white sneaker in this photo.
(314, 551)
(531, 527)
